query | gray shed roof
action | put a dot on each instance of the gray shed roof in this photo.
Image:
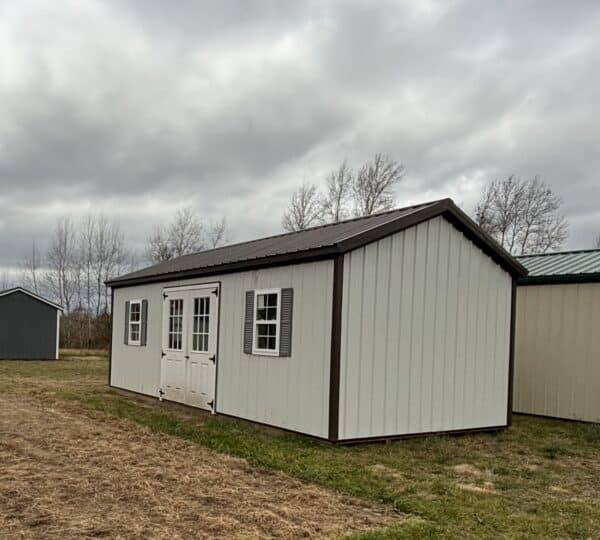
(325, 241)
(7, 292)
(566, 266)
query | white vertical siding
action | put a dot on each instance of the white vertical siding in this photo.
(557, 353)
(425, 335)
(290, 392)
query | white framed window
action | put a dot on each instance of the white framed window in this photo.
(135, 322)
(267, 317)
(176, 324)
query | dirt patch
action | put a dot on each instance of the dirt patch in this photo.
(482, 477)
(467, 470)
(487, 488)
(386, 472)
(70, 475)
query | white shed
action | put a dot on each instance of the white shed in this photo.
(390, 325)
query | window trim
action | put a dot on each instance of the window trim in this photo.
(266, 352)
(138, 342)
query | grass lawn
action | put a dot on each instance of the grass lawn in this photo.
(541, 478)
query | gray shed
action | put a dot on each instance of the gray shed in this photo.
(557, 358)
(29, 325)
(390, 325)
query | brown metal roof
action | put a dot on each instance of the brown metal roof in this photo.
(320, 242)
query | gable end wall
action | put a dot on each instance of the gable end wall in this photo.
(425, 336)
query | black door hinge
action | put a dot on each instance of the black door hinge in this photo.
(163, 353)
(165, 295)
(213, 358)
(216, 292)
(211, 403)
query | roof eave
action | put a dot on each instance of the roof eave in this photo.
(560, 279)
(295, 257)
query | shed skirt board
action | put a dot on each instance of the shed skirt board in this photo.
(190, 327)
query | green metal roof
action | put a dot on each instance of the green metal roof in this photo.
(576, 265)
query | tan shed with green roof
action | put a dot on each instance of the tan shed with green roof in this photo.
(557, 354)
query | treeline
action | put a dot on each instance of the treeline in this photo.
(521, 214)
(83, 255)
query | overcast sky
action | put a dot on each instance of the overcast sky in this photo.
(136, 108)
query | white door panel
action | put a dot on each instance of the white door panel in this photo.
(174, 361)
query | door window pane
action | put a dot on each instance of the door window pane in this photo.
(176, 324)
(201, 324)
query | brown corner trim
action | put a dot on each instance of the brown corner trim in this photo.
(336, 343)
(511, 354)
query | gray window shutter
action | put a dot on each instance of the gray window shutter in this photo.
(126, 336)
(285, 324)
(144, 325)
(249, 322)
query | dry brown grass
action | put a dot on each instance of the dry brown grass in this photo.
(66, 474)
(83, 353)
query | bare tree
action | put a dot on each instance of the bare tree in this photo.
(374, 185)
(186, 234)
(87, 256)
(159, 248)
(5, 280)
(304, 209)
(522, 215)
(216, 233)
(108, 255)
(30, 270)
(336, 201)
(62, 275)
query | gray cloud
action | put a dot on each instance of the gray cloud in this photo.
(134, 108)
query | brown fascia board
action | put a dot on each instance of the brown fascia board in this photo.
(558, 279)
(484, 241)
(445, 207)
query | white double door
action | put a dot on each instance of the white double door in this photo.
(189, 351)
